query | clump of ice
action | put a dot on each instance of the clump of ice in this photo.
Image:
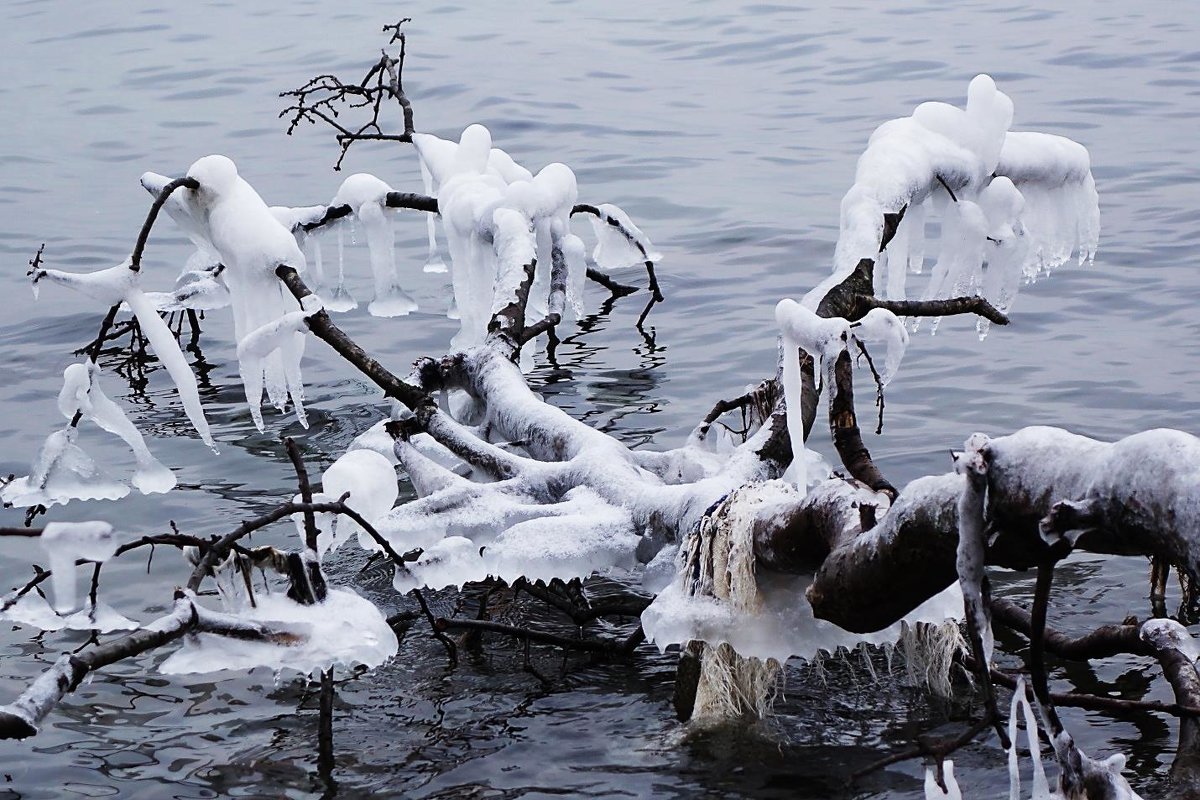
(1013, 203)
(81, 393)
(64, 543)
(344, 630)
(62, 472)
(370, 480)
(120, 283)
(251, 242)
(619, 242)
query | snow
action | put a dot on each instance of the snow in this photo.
(344, 630)
(66, 542)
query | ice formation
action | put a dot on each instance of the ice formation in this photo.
(933, 791)
(81, 393)
(972, 540)
(370, 480)
(120, 283)
(62, 472)
(344, 630)
(824, 339)
(64, 543)
(1012, 203)
(229, 217)
(783, 624)
(367, 196)
(497, 217)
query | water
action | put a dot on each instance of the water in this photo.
(729, 131)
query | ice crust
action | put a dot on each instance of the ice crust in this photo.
(1014, 204)
(345, 630)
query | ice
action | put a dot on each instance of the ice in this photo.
(295, 218)
(166, 347)
(453, 561)
(81, 393)
(933, 791)
(344, 630)
(953, 157)
(103, 619)
(64, 543)
(337, 299)
(367, 196)
(62, 472)
(251, 243)
(620, 243)
(108, 286)
(881, 327)
(1169, 634)
(371, 481)
(275, 337)
(197, 290)
(33, 610)
(972, 539)
(1020, 705)
(378, 440)
(777, 622)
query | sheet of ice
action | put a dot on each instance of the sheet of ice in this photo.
(196, 290)
(33, 610)
(62, 472)
(81, 393)
(103, 619)
(345, 630)
(66, 542)
(453, 561)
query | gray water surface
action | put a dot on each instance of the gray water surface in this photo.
(729, 131)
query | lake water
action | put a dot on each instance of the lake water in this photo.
(729, 131)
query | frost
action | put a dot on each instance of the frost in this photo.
(66, 542)
(344, 630)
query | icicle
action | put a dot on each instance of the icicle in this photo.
(339, 300)
(880, 326)
(171, 357)
(367, 195)
(933, 791)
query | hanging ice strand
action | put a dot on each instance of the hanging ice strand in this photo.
(367, 195)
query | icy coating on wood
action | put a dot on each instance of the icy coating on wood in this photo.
(1013, 204)
(345, 630)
